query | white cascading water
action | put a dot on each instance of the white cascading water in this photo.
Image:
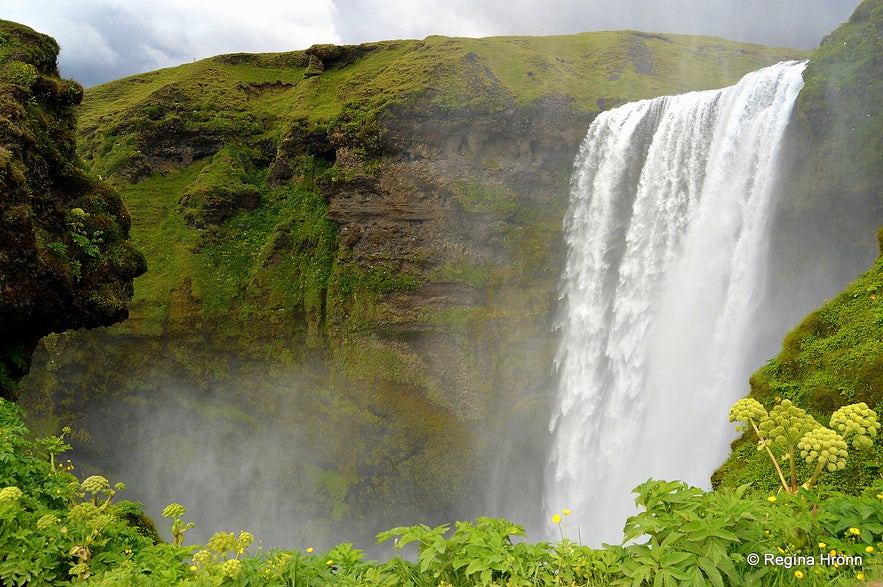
(666, 235)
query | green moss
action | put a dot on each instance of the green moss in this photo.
(23, 45)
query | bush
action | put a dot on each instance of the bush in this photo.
(56, 530)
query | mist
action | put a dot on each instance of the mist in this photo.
(249, 445)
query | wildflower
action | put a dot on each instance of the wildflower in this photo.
(565, 512)
(822, 545)
(192, 567)
(832, 553)
(855, 531)
(880, 496)
(869, 549)
(173, 510)
(95, 484)
(10, 494)
(860, 576)
(46, 521)
(556, 519)
(771, 499)
(245, 540)
(329, 562)
(202, 557)
(231, 568)
(798, 574)
(310, 549)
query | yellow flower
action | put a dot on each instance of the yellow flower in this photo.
(860, 576)
(833, 553)
(855, 531)
(310, 549)
(880, 496)
(869, 549)
(192, 567)
(565, 512)
(822, 545)
(771, 498)
(329, 562)
(798, 574)
(556, 519)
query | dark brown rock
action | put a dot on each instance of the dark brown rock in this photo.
(65, 259)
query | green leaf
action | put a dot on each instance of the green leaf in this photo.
(710, 570)
(674, 558)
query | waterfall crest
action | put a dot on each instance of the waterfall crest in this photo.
(666, 236)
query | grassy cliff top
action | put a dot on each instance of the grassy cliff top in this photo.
(231, 93)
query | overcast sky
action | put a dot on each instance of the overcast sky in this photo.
(102, 40)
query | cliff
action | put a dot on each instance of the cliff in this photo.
(354, 257)
(65, 258)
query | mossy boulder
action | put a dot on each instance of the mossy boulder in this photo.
(65, 259)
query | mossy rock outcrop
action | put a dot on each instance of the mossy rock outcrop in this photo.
(65, 258)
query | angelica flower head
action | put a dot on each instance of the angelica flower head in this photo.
(95, 484)
(825, 446)
(10, 494)
(746, 410)
(856, 420)
(231, 568)
(786, 424)
(245, 540)
(174, 510)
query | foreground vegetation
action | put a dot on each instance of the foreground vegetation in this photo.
(58, 530)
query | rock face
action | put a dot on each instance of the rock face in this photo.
(65, 261)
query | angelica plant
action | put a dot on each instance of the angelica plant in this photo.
(214, 561)
(99, 487)
(790, 431)
(176, 511)
(55, 445)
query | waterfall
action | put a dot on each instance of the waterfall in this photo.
(666, 235)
